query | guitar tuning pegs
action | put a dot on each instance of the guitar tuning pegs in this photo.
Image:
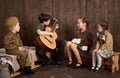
(55, 19)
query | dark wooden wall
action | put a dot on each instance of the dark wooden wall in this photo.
(67, 11)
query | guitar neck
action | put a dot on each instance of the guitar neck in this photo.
(53, 27)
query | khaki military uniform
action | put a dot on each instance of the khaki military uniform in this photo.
(11, 42)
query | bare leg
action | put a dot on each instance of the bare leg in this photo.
(77, 54)
(69, 51)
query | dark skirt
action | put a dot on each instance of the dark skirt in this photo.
(83, 53)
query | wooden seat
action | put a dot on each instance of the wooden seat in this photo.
(114, 62)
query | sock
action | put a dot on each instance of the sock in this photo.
(93, 59)
(99, 59)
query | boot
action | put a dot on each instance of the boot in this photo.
(28, 70)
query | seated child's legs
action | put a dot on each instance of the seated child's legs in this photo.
(76, 52)
(41, 54)
(93, 59)
(69, 50)
(99, 60)
(68, 44)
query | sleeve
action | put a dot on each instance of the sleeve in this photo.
(90, 39)
(9, 43)
(39, 26)
(107, 41)
(97, 45)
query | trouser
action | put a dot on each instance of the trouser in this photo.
(22, 57)
(58, 53)
(96, 58)
(41, 54)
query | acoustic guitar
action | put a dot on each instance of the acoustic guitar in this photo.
(48, 43)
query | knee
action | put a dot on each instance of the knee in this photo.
(41, 53)
(97, 53)
(22, 55)
(68, 44)
(73, 46)
(93, 53)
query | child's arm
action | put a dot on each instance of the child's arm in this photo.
(45, 33)
(97, 45)
(108, 41)
(10, 43)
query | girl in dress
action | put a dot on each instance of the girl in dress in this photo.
(104, 46)
(81, 45)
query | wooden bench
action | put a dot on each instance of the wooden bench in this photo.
(115, 59)
(33, 58)
(114, 63)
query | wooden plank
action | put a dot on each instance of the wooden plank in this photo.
(69, 20)
(67, 11)
(2, 19)
(61, 19)
(104, 10)
(76, 15)
(91, 14)
(115, 22)
(11, 8)
(83, 9)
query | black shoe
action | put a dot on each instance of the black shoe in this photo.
(37, 62)
(92, 69)
(59, 63)
(69, 64)
(48, 62)
(20, 70)
(76, 67)
(97, 69)
(44, 64)
(28, 70)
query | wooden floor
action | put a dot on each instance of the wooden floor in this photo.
(54, 71)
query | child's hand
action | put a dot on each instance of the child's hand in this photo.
(52, 34)
(95, 50)
(57, 26)
(21, 49)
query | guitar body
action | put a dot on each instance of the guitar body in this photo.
(47, 42)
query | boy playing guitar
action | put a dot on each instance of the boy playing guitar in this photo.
(45, 37)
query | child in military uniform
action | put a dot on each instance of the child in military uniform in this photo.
(14, 46)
